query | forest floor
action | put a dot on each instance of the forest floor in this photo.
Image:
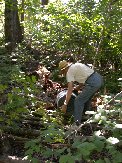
(13, 139)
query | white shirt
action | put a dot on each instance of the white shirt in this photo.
(78, 72)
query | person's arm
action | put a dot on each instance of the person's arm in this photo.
(68, 96)
(69, 92)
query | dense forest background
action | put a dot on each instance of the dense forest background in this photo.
(34, 36)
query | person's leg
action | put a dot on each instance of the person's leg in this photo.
(87, 105)
(80, 101)
(92, 85)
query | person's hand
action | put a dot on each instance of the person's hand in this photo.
(64, 108)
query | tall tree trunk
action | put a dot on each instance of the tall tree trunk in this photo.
(22, 16)
(13, 30)
(44, 2)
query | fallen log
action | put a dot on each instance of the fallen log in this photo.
(17, 139)
(30, 122)
(58, 145)
(28, 133)
(30, 117)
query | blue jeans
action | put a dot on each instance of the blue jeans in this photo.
(92, 85)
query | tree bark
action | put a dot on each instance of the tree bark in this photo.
(22, 16)
(44, 2)
(13, 30)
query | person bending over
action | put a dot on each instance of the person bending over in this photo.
(89, 80)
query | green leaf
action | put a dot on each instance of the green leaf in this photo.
(85, 148)
(99, 145)
(35, 160)
(100, 161)
(48, 152)
(107, 160)
(1, 119)
(88, 146)
(66, 159)
(33, 79)
(58, 152)
(76, 143)
(117, 158)
(22, 110)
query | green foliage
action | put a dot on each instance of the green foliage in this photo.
(89, 30)
(84, 148)
(100, 161)
(52, 134)
(67, 159)
(92, 33)
(109, 117)
(19, 92)
(98, 148)
(1, 23)
(33, 147)
(111, 81)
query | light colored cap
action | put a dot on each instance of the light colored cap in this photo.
(63, 65)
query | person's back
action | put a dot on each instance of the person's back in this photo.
(78, 72)
(90, 82)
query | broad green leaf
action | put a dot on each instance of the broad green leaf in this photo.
(35, 160)
(99, 145)
(59, 151)
(87, 145)
(49, 152)
(118, 157)
(76, 143)
(1, 119)
(100, 161)
(66, 159)
(107, 160)
(33, 79)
